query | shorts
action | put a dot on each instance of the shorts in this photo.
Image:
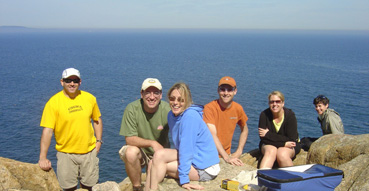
(74, 167)
(209, 173)
(145, 158)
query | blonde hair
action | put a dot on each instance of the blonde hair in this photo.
(185, 92)
(276, 93)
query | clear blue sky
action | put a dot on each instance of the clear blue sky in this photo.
(228, 14)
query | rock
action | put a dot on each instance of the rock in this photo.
(356, 173)
(106, 186)
(334, 150)
(15, 175)
(349, 153)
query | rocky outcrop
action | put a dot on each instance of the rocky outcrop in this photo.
(111, 186)
(348, 153)
(228, 171)
(15, 175)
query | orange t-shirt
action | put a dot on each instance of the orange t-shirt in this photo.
(225, 121)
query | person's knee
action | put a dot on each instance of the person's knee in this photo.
(132, 154)
(270, 151)
(159, 155)
(283, 155)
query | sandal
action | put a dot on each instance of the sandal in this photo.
(138, 188)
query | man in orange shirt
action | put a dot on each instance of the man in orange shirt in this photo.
(222, 116)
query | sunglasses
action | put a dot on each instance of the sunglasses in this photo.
(321, 97)
(179, 99)
(228, 89)
(275, 101)
(76, 81)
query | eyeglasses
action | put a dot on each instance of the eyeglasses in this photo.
(148, 93)
(275, 101)
(179, 99)
(228, 89)
(76, 81)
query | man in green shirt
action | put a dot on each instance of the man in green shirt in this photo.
(145, 128)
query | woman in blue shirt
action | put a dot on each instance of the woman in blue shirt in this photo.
(195, 156)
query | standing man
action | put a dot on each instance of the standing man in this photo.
(145, 127)
(222, 116)
(68, 116)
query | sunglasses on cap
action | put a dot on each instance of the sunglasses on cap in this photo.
(321, 97)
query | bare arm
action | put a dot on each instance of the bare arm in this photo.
(221, 151)
(241, 142)
(43, 162)
(98, 127)
(143, 143)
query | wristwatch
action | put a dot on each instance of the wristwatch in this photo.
(99, 141)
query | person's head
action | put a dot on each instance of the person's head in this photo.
(71, 80)
(180, 98)
(276, 101)
(151, 94)
(321, 104)
(227, 89)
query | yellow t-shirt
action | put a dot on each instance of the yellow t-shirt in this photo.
(71, 121)
(278, 125)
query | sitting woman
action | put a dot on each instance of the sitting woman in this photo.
(279, 139)
(195, 156)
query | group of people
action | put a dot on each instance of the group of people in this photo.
(201, 135)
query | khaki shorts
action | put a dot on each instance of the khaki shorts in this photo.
(74, 167)
(144, 160)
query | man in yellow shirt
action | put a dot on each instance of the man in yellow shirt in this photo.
(68, 116)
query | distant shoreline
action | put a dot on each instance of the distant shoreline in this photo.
(10, 29)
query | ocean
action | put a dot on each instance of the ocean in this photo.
(113, 64)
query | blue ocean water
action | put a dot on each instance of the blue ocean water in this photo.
(113, 64)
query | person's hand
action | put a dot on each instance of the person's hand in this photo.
(156, 146)
(192, 186)
(290, 144)
(44, 164)
(98, 146)
(263, 132)
(234, 161)
(236, 154)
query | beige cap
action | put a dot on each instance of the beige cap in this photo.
(151, 82)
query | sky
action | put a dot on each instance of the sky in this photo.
(199, 14)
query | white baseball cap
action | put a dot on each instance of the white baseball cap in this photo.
(151, 82)
(71, 72)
